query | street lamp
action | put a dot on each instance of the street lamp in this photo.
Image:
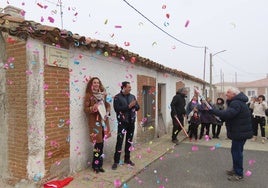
(210, 78)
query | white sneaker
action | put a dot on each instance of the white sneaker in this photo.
(263, 140)
(254, 138)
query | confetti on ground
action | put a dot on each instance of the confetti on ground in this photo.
(195, 148)
(251, 162)
(248, 173)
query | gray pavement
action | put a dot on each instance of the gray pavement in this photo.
(187, 167)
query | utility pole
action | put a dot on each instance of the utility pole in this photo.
(204, 72)
(61, 13)
(210, 75)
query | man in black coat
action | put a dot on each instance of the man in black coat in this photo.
(178, 110)
(125, 106)
(239, 128)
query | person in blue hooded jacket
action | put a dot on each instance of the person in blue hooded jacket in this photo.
(239, 128)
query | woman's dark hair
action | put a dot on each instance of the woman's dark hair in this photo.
(262, 96)
(220, 99)
(124, 84)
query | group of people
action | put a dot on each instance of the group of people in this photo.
(240, 116)
(98, 110)
(196, 114)
(241, 124)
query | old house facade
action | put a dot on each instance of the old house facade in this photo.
(44, 72)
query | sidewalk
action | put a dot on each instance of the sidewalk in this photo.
(142, 156)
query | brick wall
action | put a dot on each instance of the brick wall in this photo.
(56, 90)
(17, 110)
(147, 133)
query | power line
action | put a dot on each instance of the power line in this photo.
(194, 46)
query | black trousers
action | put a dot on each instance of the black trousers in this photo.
(97, 155)
(203, 126)
(176, 127)
(259, 121)
(216, 130)
(122, 130)
(193, 129)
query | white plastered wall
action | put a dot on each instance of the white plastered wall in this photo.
(35, 109)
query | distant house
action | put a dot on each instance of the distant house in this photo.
(251, 89)
(43, 76)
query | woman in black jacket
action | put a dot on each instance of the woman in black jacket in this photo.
(178, 110)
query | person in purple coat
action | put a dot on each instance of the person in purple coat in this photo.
(206, 118)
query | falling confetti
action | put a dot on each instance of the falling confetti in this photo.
(168, 16)
(187, 23)
(50, 19)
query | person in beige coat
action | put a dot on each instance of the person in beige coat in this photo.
(97, 110)
(259, 106)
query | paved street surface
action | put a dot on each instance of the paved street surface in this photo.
(195, 166)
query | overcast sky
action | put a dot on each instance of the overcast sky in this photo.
(171, 32)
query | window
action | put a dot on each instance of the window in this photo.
(148, 104)
(251, 93)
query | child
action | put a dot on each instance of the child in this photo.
(194, 123)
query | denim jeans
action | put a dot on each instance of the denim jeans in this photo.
(237, 155)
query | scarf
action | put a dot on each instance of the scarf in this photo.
(99, 95)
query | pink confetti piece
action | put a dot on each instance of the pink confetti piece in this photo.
(248, 173)
(118, 26)
(168, 16)
(133, 59)
(45, 86)
(40, 5)
(139, 156)
(195, 148)
(131, 148)
(42, 19)
(212, 148)
(22, 13)
(117, 183)
(187, 23)
(164, 6)
(28, 72)
(50, 19)
(49, 154)
(251, 162)
(127, 43)
(10, 59)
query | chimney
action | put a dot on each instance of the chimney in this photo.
(14, 11)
